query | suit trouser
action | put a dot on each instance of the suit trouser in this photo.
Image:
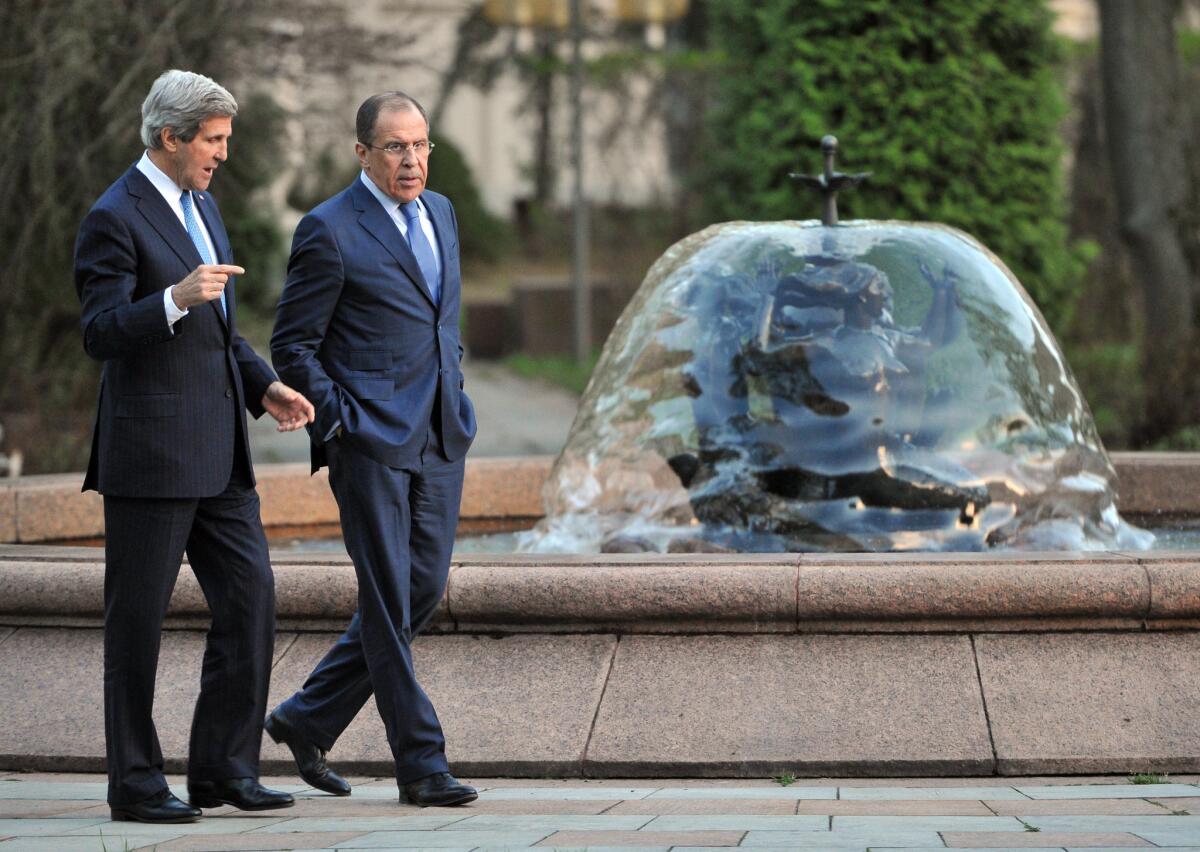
(399, 530)
(145, 540)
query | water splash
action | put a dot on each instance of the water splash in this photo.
(789, 386)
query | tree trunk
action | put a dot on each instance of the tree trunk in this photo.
(1145, 121)
(543, 103)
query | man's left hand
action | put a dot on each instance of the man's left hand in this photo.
(288, 406)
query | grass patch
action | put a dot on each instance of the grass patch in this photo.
(1147, 778)
(561, 370)
(784, 779)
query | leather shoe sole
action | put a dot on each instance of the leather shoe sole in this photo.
(447, 802)
(215, 802)
(121, 815)
(245, 794)
(161, 808)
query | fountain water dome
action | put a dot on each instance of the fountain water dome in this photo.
(816, 386)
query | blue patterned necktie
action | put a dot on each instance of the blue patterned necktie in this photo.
(421, 248)
(193, 229)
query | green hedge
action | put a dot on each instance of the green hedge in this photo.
(953, 104)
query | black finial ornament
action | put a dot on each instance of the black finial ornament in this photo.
(830, 182)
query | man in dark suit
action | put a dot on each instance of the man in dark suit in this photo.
(154, 273)
(367, 328)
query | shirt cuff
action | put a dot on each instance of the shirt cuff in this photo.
(174, 312)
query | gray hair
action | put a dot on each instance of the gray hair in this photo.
(368, 113)
(182, 101)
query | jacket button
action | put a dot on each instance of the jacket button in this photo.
(228, 393)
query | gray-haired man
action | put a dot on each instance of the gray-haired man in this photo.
(154, 272)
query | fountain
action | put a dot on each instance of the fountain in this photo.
(823, 386)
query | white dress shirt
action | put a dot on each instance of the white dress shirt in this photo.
(170, 192)
(392, 207)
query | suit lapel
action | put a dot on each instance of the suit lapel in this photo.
(155, 210)
(375, 219)
(444, 231)
(161, 217)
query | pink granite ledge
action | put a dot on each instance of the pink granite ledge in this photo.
(693, 593)
(1158, 483)
(8, 512)
(1036, 586)
(665, 594)
(52, 508)
(73, 593)
(505, 487)
(1174, 584)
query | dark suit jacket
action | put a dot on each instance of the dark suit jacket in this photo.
(172, 405)
(358, 333)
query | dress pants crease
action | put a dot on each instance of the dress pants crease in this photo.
(145, 540)
(398, 528)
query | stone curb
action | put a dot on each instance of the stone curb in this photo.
(693, 594)
(52, 508)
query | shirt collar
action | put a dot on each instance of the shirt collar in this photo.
(166, 187)
(391, 205)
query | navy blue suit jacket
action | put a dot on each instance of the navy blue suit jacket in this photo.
(172, 405)
(358, 333)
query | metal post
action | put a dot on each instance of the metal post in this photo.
(579, 253)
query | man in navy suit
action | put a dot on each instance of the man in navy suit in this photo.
(367, 328)
(155, 276)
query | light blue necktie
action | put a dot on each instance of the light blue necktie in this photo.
(193, 229)
(421, 248)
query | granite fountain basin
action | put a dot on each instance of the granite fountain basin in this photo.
(657, 665)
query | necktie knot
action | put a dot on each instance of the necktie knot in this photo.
(411, 211)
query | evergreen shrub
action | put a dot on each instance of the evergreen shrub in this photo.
(953, 105)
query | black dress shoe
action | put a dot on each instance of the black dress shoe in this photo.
(245, 794)
(163, 806)
(439, 790)
(310, 760)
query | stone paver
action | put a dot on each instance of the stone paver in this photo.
(256, 842)
(444, 839)
(1068, 807)
(20, 808)
(750, 793)
(67, 813)
(739, 822)
(407, 820)
(1034, 839)
(1109, 791)
(568, 793)
(1138, 824)
(842, 839)
(550, 823)
(668, 839)
(1192, 806)
(893, 807)
(913, 793)
(1171, 837)
(659, 807)
(926, 823)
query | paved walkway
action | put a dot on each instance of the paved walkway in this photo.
(516, 416)
(66, 813)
